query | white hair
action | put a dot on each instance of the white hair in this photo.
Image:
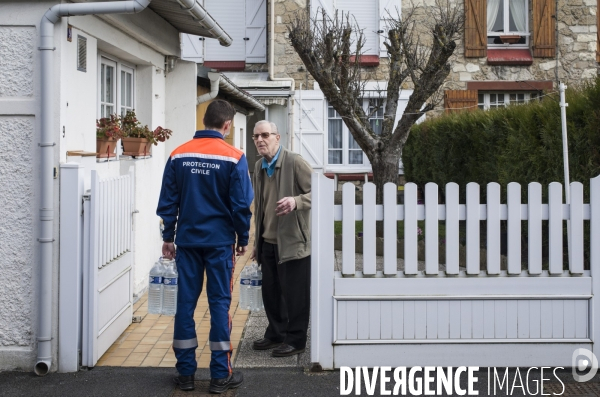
(273, 126)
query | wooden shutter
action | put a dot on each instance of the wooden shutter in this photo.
(192, 48)
(460, 100)
(544, 43)
(256, 31)
(475, 28)
(387, 9)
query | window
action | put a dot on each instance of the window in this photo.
(117, 82)
(341, 145)
(507, 22)
(494, 100)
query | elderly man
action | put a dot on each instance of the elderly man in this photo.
(282, 241)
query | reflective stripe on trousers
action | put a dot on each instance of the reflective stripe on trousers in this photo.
(219, 266)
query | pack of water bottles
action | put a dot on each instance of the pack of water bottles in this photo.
(251, 288)
(162, 290)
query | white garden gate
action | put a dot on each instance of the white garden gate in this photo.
(96, 258)
(108, 261)
(459, 316)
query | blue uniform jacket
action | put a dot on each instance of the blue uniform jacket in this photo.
(206, 191)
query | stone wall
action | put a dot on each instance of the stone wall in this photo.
(577, 49)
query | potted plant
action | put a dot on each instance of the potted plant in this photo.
(138, 138)
(108, 132)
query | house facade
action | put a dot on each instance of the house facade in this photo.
(509, 54)
(63, 65)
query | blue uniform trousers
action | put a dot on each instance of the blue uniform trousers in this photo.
(219, 265)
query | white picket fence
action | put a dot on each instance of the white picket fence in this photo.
(466, 316)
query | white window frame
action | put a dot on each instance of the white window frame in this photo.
(119, 66)
(506, 10)
(365, 166)
(491, 100)
(124, 107)
(102, 102)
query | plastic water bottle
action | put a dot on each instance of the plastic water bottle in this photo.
(170, 289)
(250, 289)
(244, 288)
(256, 290)
(155, 288)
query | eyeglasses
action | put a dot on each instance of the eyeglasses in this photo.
(264, 135)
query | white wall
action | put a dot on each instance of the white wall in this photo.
(181, 102)
(75, 108)
(279, 115)
(19, 179)
(239, 139)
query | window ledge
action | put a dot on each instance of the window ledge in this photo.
(509, 57)
(226, 66)
(366, 60)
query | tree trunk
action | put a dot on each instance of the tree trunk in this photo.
(385, 169)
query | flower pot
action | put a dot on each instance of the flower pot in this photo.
(510, 39)
(105, 147)
(136, 147)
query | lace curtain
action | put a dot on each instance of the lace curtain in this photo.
(517, 12)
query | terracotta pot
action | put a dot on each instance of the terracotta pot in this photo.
(105, 148)
(136, 147)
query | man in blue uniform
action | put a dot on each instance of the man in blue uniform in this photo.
(205, 201)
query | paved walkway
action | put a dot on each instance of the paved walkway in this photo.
(149, 343)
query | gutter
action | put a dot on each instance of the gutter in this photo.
(220, 82)
(46, 239)
(200, 14)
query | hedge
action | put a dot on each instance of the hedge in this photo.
(519, 143)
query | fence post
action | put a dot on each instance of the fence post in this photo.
(70, 288)
(595, 261)
(322, 272)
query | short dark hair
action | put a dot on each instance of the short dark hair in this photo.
(217, 113)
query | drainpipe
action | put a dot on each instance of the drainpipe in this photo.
(214, 88)
(271, 67)
(46, 239)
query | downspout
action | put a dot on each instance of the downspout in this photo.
(214, 88)
(46, 239)
(271, 67)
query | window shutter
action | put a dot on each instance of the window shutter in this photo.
(231, 17)
(544, 43)
(256, 31)
(314, 127)
(460, 100)
(367, 17)
(192, 48)
(475, 28)
(387, 9)
(317, 5)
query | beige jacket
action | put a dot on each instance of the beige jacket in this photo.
(293, 175)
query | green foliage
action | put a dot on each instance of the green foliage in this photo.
(520, 143)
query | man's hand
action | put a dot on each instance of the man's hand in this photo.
(285, 206)
(253, 254)
(240, 250)
(168, 250)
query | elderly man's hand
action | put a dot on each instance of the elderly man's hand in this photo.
(285, 206)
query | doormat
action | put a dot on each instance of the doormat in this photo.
(574, 389)
(201, 390)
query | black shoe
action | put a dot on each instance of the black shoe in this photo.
(286, 351)
(185, 383)
(219, 386)
(264, 344)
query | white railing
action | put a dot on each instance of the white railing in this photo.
(453, 315)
